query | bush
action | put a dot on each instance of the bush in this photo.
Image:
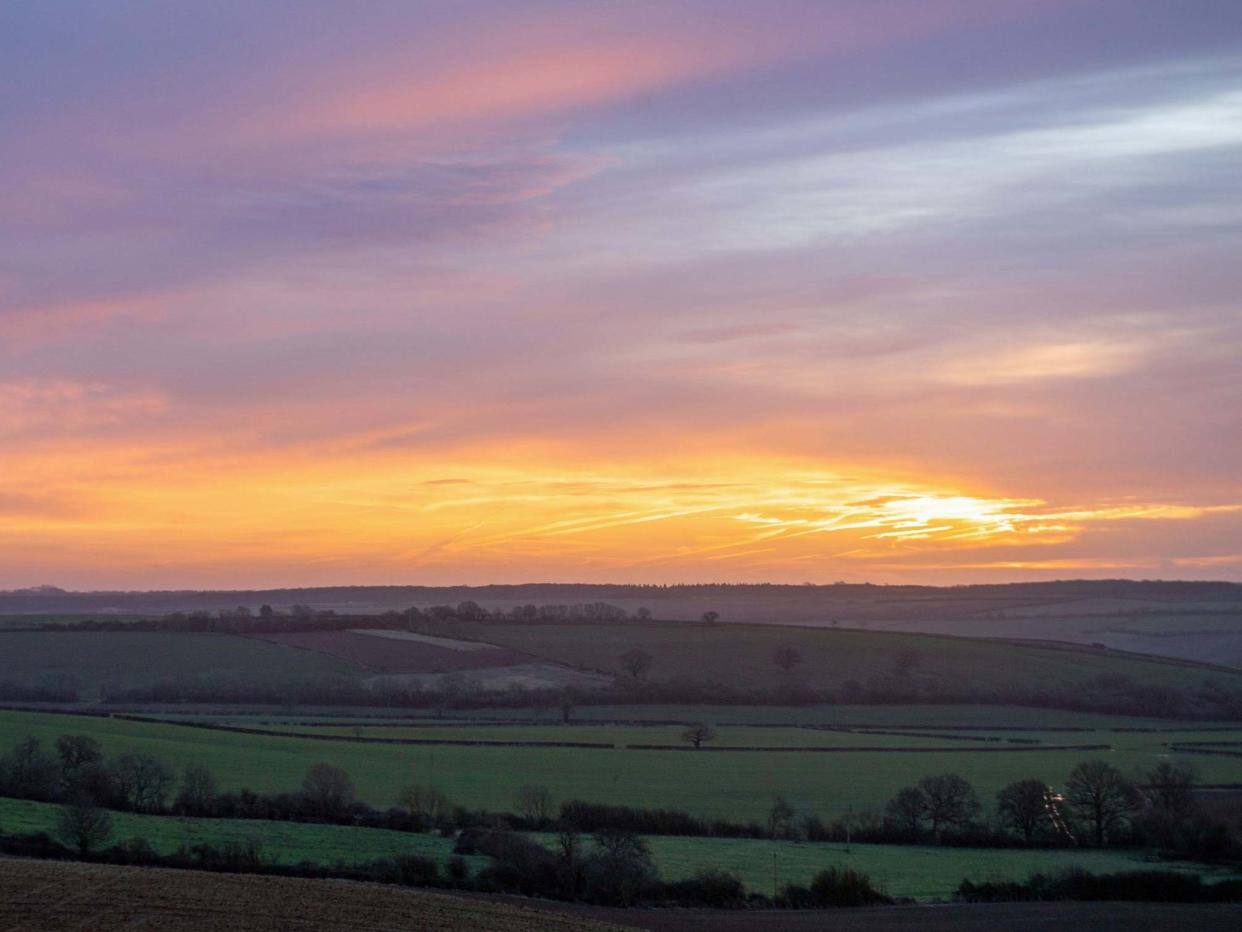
(1141, 886)
(833, 888)
(715, 888)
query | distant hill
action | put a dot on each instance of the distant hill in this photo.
(750, 602)
(1190, 620)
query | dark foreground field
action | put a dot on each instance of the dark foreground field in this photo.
(54, 896)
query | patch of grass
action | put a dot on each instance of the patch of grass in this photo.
(737, 786)
(281, 842)
(898, 870)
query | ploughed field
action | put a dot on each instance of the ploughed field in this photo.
(738, 656)
(53, 896)
(400, 651)
(741, 656)
(863, 774)
(101, 660)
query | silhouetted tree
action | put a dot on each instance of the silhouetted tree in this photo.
(697, 734)
(79, 755)
(143, 781)
(907, 809)
(787, 658)
(780, 818)
(1023, 806)
(621, 870)
(328, 790)
(84, 827)
(1100, 795)
(636, 662)
(643, 614)
(1170, 787)
(199, 791)
(29, 772)
(951, 801)
(425, 803)
(710, 618)
(535, 803)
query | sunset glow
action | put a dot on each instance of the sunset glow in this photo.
(484, 292)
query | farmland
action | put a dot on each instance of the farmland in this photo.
(920, 873)
(905, 871)
(96, 660)
(743, 654)
(489, 777)
(279, 842)
(54, 896)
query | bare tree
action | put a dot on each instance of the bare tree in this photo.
(636, 662)
(710, 618)
(80, 756)
(951, 801)
(198, 790)
(77, 751)
(29, 771)
(1099, 794)
(84, 827)
(1170, 787)
(1023, 806)
(143, 781)
(425, 803)
(780, 818)
(329, 790)
(698, 734)
(535, 803)
(787, 657)
(907, 809)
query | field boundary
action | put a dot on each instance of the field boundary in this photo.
(874, 749)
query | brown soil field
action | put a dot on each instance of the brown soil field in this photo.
(949, 917)
(392, 655)
(51, 896)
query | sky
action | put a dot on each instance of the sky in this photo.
(311, 293)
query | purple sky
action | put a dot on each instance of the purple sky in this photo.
(939, 290)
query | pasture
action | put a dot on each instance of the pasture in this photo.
(901, 870)
(279, 842)
(920, 873)
(736, 785)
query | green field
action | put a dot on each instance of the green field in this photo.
(280, 842)
(96, 660)
(741, 655)
(906, 871)
(899, 870)
(738, 785)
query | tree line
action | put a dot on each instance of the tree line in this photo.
(1098, 806)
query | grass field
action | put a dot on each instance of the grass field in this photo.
(899, 870)
(95, 660)
(281, 842)
(738, 785)
(905, 871)
(741, 655)
(878, 716)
